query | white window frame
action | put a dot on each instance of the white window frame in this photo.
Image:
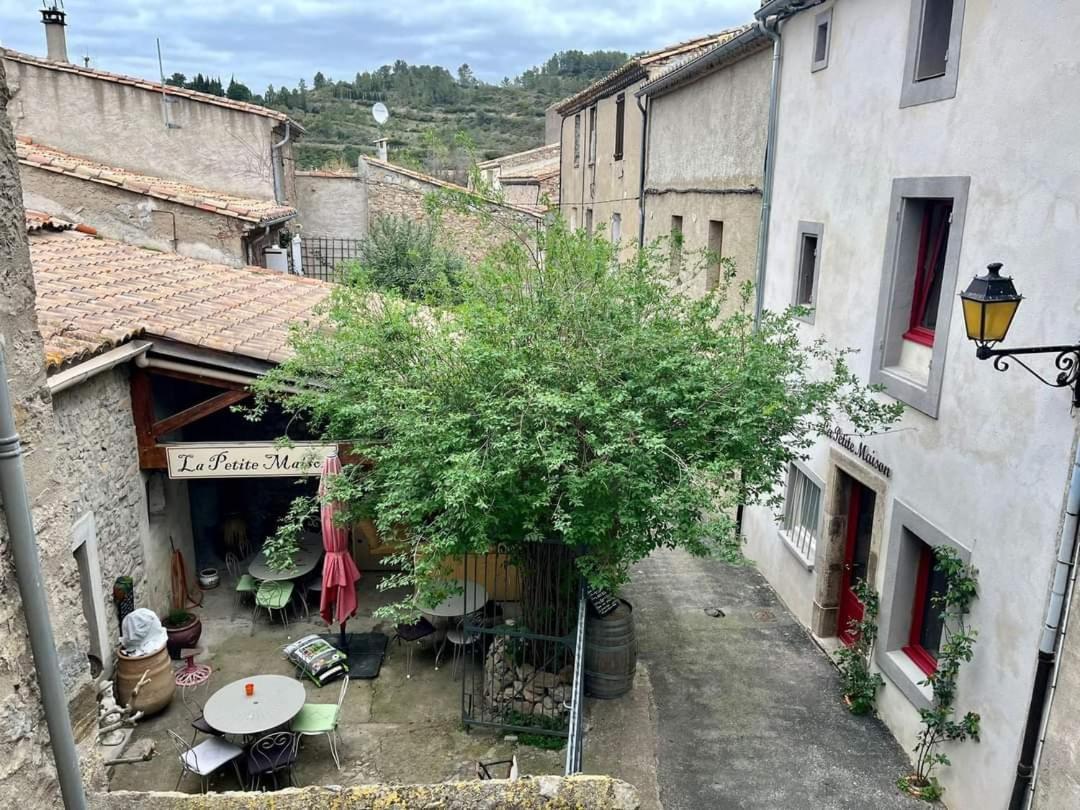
(822, 19)
(801, 540)
(816, 230)
(938, 88)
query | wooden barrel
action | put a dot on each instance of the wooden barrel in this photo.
(154, 695)
(610, 653)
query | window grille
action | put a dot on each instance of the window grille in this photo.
(802, 514)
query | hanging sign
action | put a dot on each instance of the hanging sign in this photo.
(246, 459)
(860, 450)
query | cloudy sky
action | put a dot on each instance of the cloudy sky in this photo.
(278, 41)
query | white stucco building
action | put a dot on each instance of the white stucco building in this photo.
(917, 141)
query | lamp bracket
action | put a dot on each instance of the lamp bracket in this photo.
(1066, 361)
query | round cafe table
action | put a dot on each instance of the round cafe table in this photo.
(276, 700)
(472, 597)
(303, 564)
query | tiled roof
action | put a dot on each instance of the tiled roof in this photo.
(745, 40)
(94, 294)
(643, 66)
(530, 178)
(545, 152)
(38, 220)
(144, 84)
(257, 212)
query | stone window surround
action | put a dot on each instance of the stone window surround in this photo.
(814, 479)
(817, 230)
(893, 310)
(820, 19)
(832, 544)
(939, 88)
(907, 528)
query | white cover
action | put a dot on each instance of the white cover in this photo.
(142, 633)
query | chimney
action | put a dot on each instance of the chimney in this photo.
(381, 149)
(55, 39)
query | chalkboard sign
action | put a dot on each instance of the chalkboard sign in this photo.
(602, 601)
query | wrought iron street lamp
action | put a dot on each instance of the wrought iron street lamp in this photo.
(990, 302)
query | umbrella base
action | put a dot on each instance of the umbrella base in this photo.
(365, 652)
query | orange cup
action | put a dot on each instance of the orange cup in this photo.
(249, 689)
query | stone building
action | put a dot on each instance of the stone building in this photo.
(601, 143)
(336, 205)
(525, 178)
(891, 191)
(27, 774)
(150, 211)
(704, 190)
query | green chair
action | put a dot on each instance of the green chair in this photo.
(274, 596)
(246, 584)
(322, 718)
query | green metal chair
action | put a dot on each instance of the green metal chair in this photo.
(274, 596)
(322, 718)
(246, 584)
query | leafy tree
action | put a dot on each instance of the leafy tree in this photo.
(177, 80)
(577, 399)
(405, 257)
(238, 91)
(465, 76)
(319, 81)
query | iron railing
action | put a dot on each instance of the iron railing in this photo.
(321, 257)
(518, 677)
(575, 743)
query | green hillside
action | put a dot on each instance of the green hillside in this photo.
(437, 119)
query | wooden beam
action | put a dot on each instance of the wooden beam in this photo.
(213, 382)
(196, 412)
(142, 410)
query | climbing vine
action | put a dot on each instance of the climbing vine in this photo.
(860, 685)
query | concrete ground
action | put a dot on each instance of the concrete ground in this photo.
(746, 708)
(393, 730)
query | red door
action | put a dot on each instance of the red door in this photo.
(856, 554)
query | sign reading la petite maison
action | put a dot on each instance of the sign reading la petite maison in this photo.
(860, 450)
(246, 459)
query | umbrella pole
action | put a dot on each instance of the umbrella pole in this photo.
(344, 646)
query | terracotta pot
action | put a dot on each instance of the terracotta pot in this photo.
(913, 789)
(154, 695)
(187, 635)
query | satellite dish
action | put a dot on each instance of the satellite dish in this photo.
(380, 113)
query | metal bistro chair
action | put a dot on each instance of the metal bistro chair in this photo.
(269, 755)
(205, 758)
(322, 718)
(195, 711)
(273, 596)
(246, 584)
(410, 634)
(459, 639)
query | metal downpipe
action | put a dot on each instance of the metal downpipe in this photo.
(1060, 596)
(771, 29)
(20, 526)
(277, 164)
(641, 172)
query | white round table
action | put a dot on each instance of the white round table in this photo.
(473, 597)
(276, 700)
(303, 564)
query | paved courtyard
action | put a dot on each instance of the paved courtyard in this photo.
(745, 707)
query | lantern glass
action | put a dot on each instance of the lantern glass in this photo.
(988, 321)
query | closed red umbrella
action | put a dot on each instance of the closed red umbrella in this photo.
(340, 573)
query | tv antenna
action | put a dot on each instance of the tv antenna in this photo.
(380, 113)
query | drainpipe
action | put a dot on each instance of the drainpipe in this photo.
(20, 526)
(1056, 612)
(641, 173)
(771, 29)
(278, 164)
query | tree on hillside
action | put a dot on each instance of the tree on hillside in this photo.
(580, 401)
(238, 91)
(177, 80)
(319, 81)
(465, 76)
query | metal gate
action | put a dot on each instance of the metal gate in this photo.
(321, 257)
(518, 677)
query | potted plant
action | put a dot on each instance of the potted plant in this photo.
(860, 685)
(183, 629)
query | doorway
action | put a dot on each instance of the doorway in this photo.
(84, 547)
(860, 525)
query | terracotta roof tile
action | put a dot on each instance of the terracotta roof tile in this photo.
(256, 212)
(37, 220)
(143, 84)
(93, 294)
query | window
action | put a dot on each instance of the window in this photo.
(932, 63)
(592, 135)
(716, 255)
(676, 243)
(802, 515)
(588, 220)
(924, 636)
(915, 303)
(616, 227)
(620, 121)
(910, 626)
(822, 30)
(577, 140)
(573, 218)
(807, 264)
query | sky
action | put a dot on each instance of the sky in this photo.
(279, 41)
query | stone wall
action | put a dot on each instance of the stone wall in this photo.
(27, 773)
(100, 454)
(135, 218)
(331, 204)
(539, 793)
